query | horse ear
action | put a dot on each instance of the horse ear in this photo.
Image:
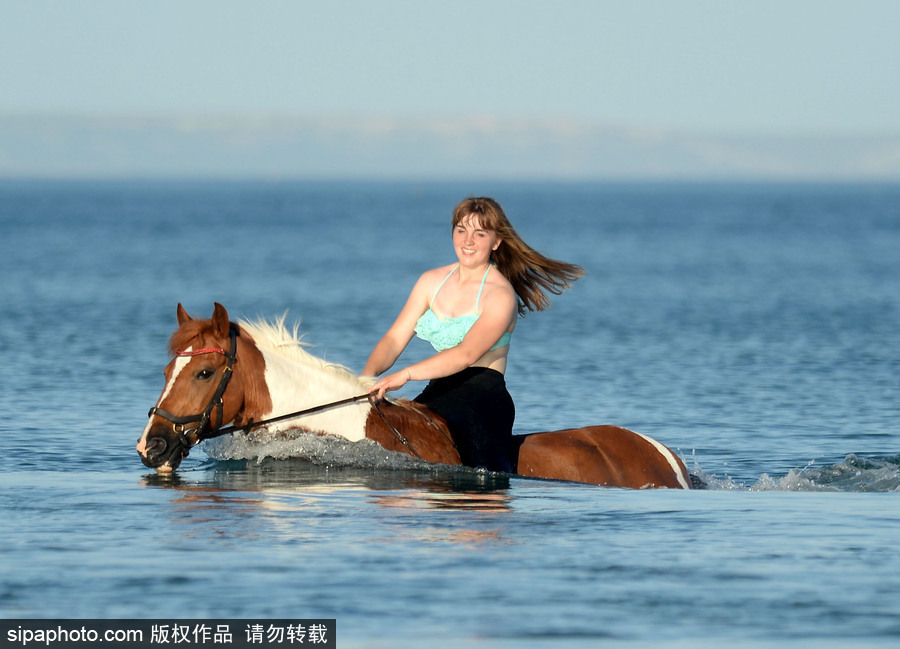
(220, 320)
(182, 315)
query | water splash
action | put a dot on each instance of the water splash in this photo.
(853, 474)
(326, 450)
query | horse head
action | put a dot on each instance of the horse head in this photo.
(203, 391)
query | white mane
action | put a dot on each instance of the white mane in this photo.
(297, 380)
(278, 338)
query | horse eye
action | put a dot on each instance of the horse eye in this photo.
(205, 375)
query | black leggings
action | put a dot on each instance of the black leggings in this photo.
(480, 413)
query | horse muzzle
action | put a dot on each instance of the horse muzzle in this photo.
(164, 451)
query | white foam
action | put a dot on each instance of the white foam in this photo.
(853, 474)
(319, 449)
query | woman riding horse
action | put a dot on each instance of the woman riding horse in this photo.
(468, 312)
(258, 377)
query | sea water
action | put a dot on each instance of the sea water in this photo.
(750, 327)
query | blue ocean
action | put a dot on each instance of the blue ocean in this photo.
(752, 328)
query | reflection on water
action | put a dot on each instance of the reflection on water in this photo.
(297, 499)
(243, 475)
(433, 499)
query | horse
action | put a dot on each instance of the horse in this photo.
(228, 378)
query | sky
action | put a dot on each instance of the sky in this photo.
(768, 68)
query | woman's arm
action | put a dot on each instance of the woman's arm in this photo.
(392, 344)
(499, 310)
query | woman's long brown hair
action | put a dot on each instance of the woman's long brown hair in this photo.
(531, 274)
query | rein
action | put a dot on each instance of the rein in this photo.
(246, 428)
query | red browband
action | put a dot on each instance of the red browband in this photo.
(205, 350)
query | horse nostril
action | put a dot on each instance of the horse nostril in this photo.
(155, 447)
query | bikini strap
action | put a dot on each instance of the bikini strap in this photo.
(481, 288)
(442, 286)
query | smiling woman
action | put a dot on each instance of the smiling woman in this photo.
(467, 311)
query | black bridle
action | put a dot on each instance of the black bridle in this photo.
(190, 437)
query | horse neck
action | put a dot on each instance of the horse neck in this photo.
(294, 385)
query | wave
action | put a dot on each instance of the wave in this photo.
(853, 474)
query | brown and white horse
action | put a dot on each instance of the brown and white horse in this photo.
(224, 373)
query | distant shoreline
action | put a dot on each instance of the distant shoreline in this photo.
(396, 148)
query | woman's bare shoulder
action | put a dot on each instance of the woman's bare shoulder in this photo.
(431, 279)
(436, 275)
(497, 280)
(498, 289)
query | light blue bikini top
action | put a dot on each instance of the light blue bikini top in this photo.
(444, 333)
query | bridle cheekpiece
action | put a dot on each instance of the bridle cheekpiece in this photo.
(189, 437)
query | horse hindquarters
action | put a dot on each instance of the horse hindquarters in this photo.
(601, 455)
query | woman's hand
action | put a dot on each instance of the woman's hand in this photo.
(389, 382)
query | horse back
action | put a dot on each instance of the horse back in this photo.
(603, 455)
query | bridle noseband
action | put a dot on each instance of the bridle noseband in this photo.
(189, 437)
